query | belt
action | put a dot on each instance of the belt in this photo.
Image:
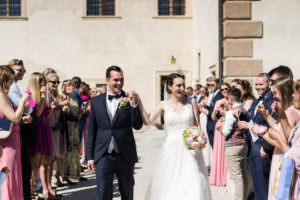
(113, 153)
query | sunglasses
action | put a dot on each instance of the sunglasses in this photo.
(55, 82)
(224, 89)
(21, 70)
(208, 85)
(42, 80)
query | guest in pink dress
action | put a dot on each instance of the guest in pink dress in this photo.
(218, 173)
(12, 188)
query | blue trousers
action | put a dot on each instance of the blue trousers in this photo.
(260, 172)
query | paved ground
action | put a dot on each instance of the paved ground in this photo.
(148, 144)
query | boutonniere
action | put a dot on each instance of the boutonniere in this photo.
(123, 101)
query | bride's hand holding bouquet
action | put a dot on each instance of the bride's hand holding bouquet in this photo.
(194, 138)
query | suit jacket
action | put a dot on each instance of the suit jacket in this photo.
(200, 99)
(217, 97)
(101, 130)
(259, 119)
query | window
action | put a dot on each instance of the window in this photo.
(10, 7)
(100, 7)
(171, 7)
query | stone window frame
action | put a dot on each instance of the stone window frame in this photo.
(85, 16)
(21, 17)
(187, 14)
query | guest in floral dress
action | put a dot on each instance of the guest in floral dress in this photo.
(72, 114)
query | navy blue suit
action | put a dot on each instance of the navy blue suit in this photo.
(211, 124)
(259, 167)
(200, 99)
(101, 130)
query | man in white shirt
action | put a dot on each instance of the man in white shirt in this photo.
(25, 126)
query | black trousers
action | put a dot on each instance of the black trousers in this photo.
(25, 159)
(106, 168)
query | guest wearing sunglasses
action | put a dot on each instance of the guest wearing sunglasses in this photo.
(214, 95)
(218, 175)
(27, 130)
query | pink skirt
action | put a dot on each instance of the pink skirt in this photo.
(218, 173)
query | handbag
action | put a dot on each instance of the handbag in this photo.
(6, 126)
(286, 175)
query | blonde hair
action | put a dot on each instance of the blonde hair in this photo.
(65, 84)
(49, 77)
(34, 85)
(5, 77)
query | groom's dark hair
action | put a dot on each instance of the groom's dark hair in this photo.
(113, 68)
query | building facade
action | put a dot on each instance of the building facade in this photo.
(150, 39)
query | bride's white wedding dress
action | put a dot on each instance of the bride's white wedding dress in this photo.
(180, 174)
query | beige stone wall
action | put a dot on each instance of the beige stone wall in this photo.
(281, 33)
(56, 35)
(205, 37)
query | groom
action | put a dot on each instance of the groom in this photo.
(111, 145)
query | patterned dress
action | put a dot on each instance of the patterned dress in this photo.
(72, 161)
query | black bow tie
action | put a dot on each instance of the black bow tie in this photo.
(111, 97)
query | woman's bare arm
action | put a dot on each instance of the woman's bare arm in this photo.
(148, 119)
(8, 111)
(196, 114)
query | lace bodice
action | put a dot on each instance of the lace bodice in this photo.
(178, 121)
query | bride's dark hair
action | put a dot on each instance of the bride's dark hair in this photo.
(171, 78)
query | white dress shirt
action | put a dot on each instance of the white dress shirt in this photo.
(230, 119)
(15, 93)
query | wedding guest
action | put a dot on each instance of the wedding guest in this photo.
(282, 89)
(218, 175)
(197, 94)
(4, 173)
(235, 146)
(203, 105)
(259, 166)
(292, 144)
(56, 123)
(214, 95)
(94, 92)
(280, 71)
(72, 160)
(102, 89)
(12, 188)
(27, 129)
(247, 94)
(86, 111)
(189, 91)
(43, 148)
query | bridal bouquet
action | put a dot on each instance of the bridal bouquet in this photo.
(193, 138)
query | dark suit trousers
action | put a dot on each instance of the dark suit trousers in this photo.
(211, 124)
(106, 167)
(260, 172)
(25, 160)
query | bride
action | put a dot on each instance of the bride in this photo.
(180, 173)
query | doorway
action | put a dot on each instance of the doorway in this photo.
(163, 93)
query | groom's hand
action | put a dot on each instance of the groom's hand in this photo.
(91, 166)
(132, 96)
